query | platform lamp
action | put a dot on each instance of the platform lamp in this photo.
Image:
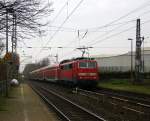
(131, 58)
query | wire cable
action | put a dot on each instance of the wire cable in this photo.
(60, 11)
(116, 34)
(124, 16)
(63, 23)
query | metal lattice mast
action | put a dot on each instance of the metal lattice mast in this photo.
(138, 60)
(14, 38)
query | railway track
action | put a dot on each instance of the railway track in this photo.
(69, 110)
(134, 97)
(112, 108)
(140, 107)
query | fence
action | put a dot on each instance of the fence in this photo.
(2, 88)
(3, 73)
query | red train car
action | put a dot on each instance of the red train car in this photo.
(48, 73)
(79, 71)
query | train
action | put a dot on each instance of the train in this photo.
(76, 72)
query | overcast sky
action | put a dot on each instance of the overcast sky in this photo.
(104, 25)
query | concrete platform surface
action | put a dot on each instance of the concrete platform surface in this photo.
(25, 105)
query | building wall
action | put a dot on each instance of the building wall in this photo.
(121, 62)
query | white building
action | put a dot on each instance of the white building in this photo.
(123, 62)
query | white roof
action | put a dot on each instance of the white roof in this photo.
(146, 51)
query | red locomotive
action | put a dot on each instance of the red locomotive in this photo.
(79, 71)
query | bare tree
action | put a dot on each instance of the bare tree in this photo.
(33, 66)
(20, 19)
(2, 46)
(28, 14)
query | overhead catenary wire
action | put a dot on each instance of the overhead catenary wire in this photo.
(113, 30)
(73, 47)
(124, 16)
(70, 43)
(106, 32)
(68, 29)
(90, 29)
(71, 30)
(121, 24)
(59, 12)
(113, 35)
(62, 24)
(113, 23)
(116, 34)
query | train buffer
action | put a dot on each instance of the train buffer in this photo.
(24, 104)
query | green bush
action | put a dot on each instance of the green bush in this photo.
(121, 75)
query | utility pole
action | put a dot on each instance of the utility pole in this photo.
(6, 31)
(8, 11)
(138, 60)
(7, 74)
(14, 47)
(15, 31)
(131, 58)
(143, 57)
(14, 41)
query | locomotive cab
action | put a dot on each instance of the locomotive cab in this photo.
(87, 72)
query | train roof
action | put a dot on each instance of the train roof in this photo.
(75, 59)
(62, 62)
(45, 67)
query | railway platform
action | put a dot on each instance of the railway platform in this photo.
(23, 104)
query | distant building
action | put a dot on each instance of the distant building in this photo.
(117, 63)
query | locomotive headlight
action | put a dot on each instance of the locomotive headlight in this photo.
(82, 74)
(87, 74)
(92, 74)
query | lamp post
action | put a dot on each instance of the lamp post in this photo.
(57, 52)
(142, 39)
(131, 58)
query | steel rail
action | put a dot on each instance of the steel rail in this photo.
(80, 107)
(128, 95)
(120, 106)
(81, 91)
(117, 97)
(51, 104)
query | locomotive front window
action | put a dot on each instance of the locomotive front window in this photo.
(83, 64)
(87, 65)
(91, 65)
(66, 67)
